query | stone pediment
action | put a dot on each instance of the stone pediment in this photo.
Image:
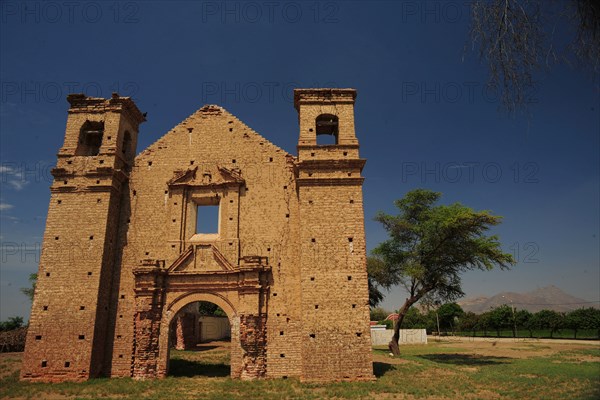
(207, 176)
(200, 258)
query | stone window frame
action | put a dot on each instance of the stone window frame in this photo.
(190, 188)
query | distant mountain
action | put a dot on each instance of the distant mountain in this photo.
(549, 297)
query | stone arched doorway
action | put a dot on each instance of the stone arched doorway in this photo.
(183, 301)
(160, 293)
(200, 342)
(197, 324)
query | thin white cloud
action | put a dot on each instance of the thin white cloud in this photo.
(5, 206)
(13, 177)
(18, 184)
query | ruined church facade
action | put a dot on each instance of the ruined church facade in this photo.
(124, 251)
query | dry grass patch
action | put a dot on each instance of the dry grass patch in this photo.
(514, 349)
(10, 363)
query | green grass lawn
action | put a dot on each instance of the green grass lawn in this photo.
(440, 370)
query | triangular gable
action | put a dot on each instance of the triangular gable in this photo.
(200, 258)
(210, 111)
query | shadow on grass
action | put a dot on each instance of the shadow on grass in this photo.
(465, 359)
(202, 348)
(380, 369)
(187, 368)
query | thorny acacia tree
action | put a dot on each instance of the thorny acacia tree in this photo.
(516, 38)
(429, 247)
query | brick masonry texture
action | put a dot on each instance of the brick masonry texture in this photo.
(123, 254)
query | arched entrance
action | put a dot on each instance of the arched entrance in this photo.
(162, 293)
(183, 303)
(200, 341)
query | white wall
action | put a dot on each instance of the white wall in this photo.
(214, 328)
(381, 337)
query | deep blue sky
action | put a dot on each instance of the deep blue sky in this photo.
(423, 115)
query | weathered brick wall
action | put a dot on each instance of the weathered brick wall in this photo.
(150, 296)
(288, 263)
(255, 219)
(335, 309)
(253, 343)
(184, 327)
(67, 334)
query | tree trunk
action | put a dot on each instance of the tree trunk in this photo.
(393, 345)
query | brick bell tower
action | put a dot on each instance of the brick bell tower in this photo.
(68, 332)
(336, 340)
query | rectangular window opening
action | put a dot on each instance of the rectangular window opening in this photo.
(207, 219)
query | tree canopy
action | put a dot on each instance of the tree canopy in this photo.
(373, 269)
(210, 309)
(449, 315)
(11, 324)
(430, 246)
(29, 291)
(583, 318)
(496, 321)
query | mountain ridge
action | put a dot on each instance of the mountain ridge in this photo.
(548, 297)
